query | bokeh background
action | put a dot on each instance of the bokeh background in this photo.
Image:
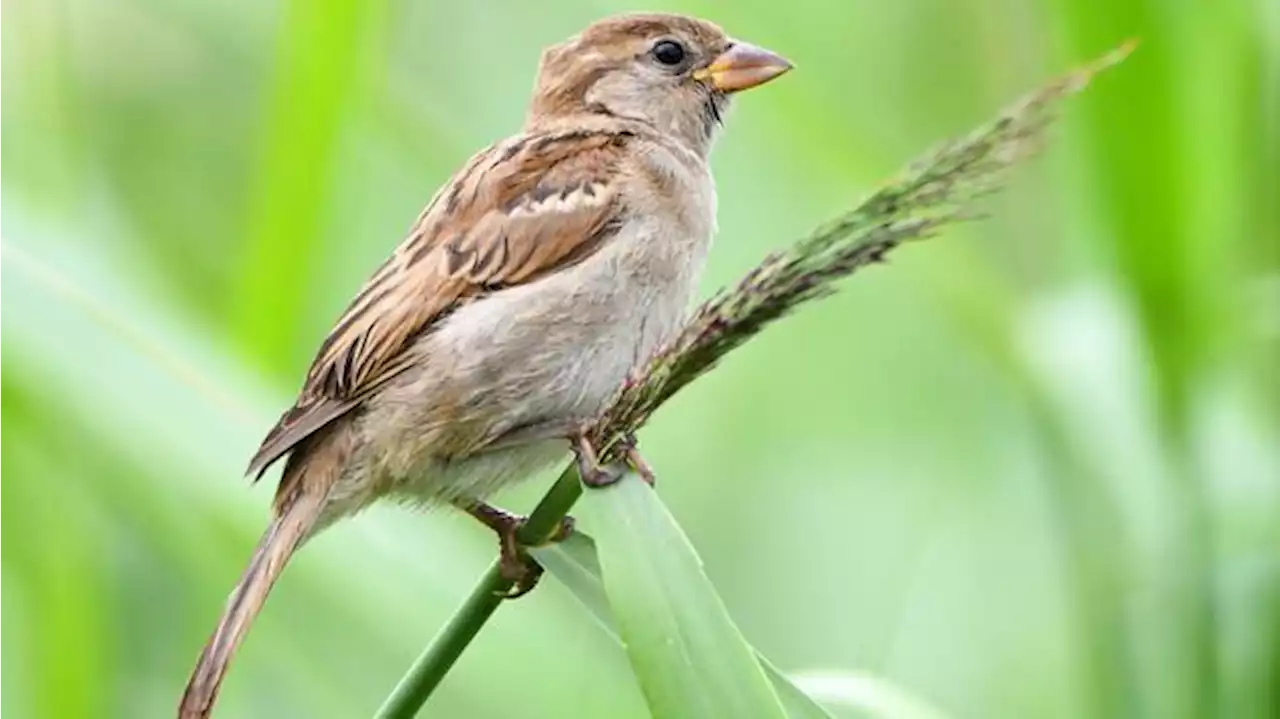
(1029, 469)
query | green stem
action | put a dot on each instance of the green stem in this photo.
(439, 656)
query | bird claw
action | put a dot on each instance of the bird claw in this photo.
(603, 475)
(595, 474)
(520, 570)
(636, 460)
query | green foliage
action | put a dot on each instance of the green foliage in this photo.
(574, 563)
(688, 656)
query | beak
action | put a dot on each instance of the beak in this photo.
(741, 67)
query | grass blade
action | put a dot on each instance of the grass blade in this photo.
(687, 654)
(574, 562)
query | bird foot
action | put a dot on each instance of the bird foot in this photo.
(514, 563)
(516, 566)
(595, 474)
(636, 460)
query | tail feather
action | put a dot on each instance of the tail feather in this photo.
(275, 548)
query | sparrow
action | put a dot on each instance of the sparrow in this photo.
(533, 284)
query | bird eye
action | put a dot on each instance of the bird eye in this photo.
(668, 52)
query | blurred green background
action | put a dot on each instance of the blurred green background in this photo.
(1029, 469)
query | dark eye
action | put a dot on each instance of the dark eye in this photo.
(668, 52)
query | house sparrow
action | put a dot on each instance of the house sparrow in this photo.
(551, 266)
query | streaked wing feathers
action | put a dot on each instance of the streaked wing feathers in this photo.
(517, 211)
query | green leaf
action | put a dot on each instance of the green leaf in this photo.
(687, 654)
(574, 562)
(797, 703)
(868, 695)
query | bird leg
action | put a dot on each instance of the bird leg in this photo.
(522, 570)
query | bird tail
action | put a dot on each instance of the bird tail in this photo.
(277, 545)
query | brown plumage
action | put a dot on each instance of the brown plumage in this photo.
(496, 228)
(547, 269)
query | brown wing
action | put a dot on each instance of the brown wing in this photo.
(517, 211)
